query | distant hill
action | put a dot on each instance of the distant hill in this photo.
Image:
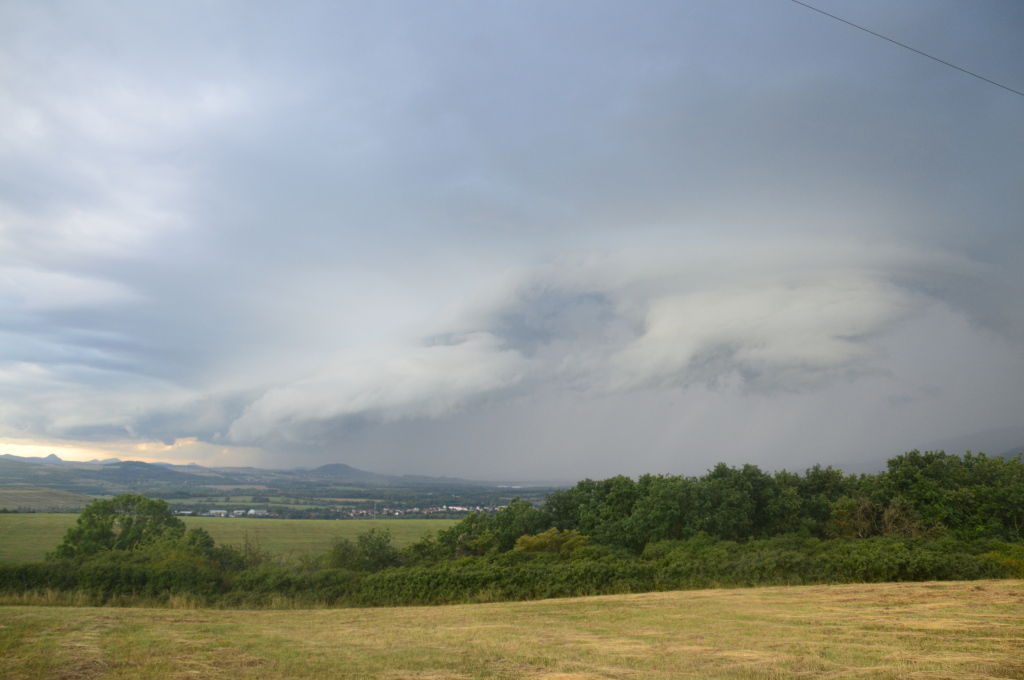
(53, 459)
(342, 471)
(132, 472)
(116, 476)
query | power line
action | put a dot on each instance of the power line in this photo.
(850, 23)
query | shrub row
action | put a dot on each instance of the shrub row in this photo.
(700, 562)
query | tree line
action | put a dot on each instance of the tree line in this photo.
(929, 516)
(928, 494)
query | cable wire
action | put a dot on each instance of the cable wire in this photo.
(879, 35)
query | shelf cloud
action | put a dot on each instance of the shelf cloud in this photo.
(509, 240)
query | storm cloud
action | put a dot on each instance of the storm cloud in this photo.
(510, 239)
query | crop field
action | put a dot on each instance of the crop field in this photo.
(41, 499)
(25, 537)
(964, 630)
(29, 536)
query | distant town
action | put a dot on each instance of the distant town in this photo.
(334, 513)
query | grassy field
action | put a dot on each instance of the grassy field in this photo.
(27, 537)
(41, 499)
(912, 630)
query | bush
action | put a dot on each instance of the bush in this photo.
(552, 541)
(371, 551)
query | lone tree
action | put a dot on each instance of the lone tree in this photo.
(124, 522)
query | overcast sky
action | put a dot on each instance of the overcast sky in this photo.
(510, 240)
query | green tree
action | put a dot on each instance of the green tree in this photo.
(371, 551)
(552, 541)
(125, 522)
(473, 535)
(663, 511)
(427, 550)
(599, 509)
(518, 518)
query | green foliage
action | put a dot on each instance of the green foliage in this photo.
(371, 551)
(974, 496)
(518, 518)
(930, 516)
(863, 517)
(920, 495)
(191, 566)
(599, 509)
(479, 533)
(474, 535)
(125, 522)
(557, 541)
(428, 550)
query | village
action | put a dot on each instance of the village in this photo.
(354, 513)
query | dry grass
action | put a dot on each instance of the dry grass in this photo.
(931, 631)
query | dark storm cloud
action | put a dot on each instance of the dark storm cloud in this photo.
(399, 232)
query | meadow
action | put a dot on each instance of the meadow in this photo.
(41, 499)
(966, 630)
(27, 537)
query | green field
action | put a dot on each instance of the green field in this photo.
(41, 499)
(27, 537)
(965, 630)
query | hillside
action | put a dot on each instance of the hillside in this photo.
(332, 490)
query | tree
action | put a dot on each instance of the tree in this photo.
(125, 522)
(552, 541)
(518, 518)
(473, 535)
(371, 551)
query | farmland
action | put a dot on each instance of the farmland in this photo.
(41, 499)
(907, 630)
(332, 489)
(29, 536)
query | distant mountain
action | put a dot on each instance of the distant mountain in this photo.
(54, 459)
(52, 471)
(14, 463)
(342, 471)
(133, 472)
(36, 460)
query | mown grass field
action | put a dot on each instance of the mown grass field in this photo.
(27, 537)
(965, 630)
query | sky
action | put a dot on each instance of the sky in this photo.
(510, 240)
